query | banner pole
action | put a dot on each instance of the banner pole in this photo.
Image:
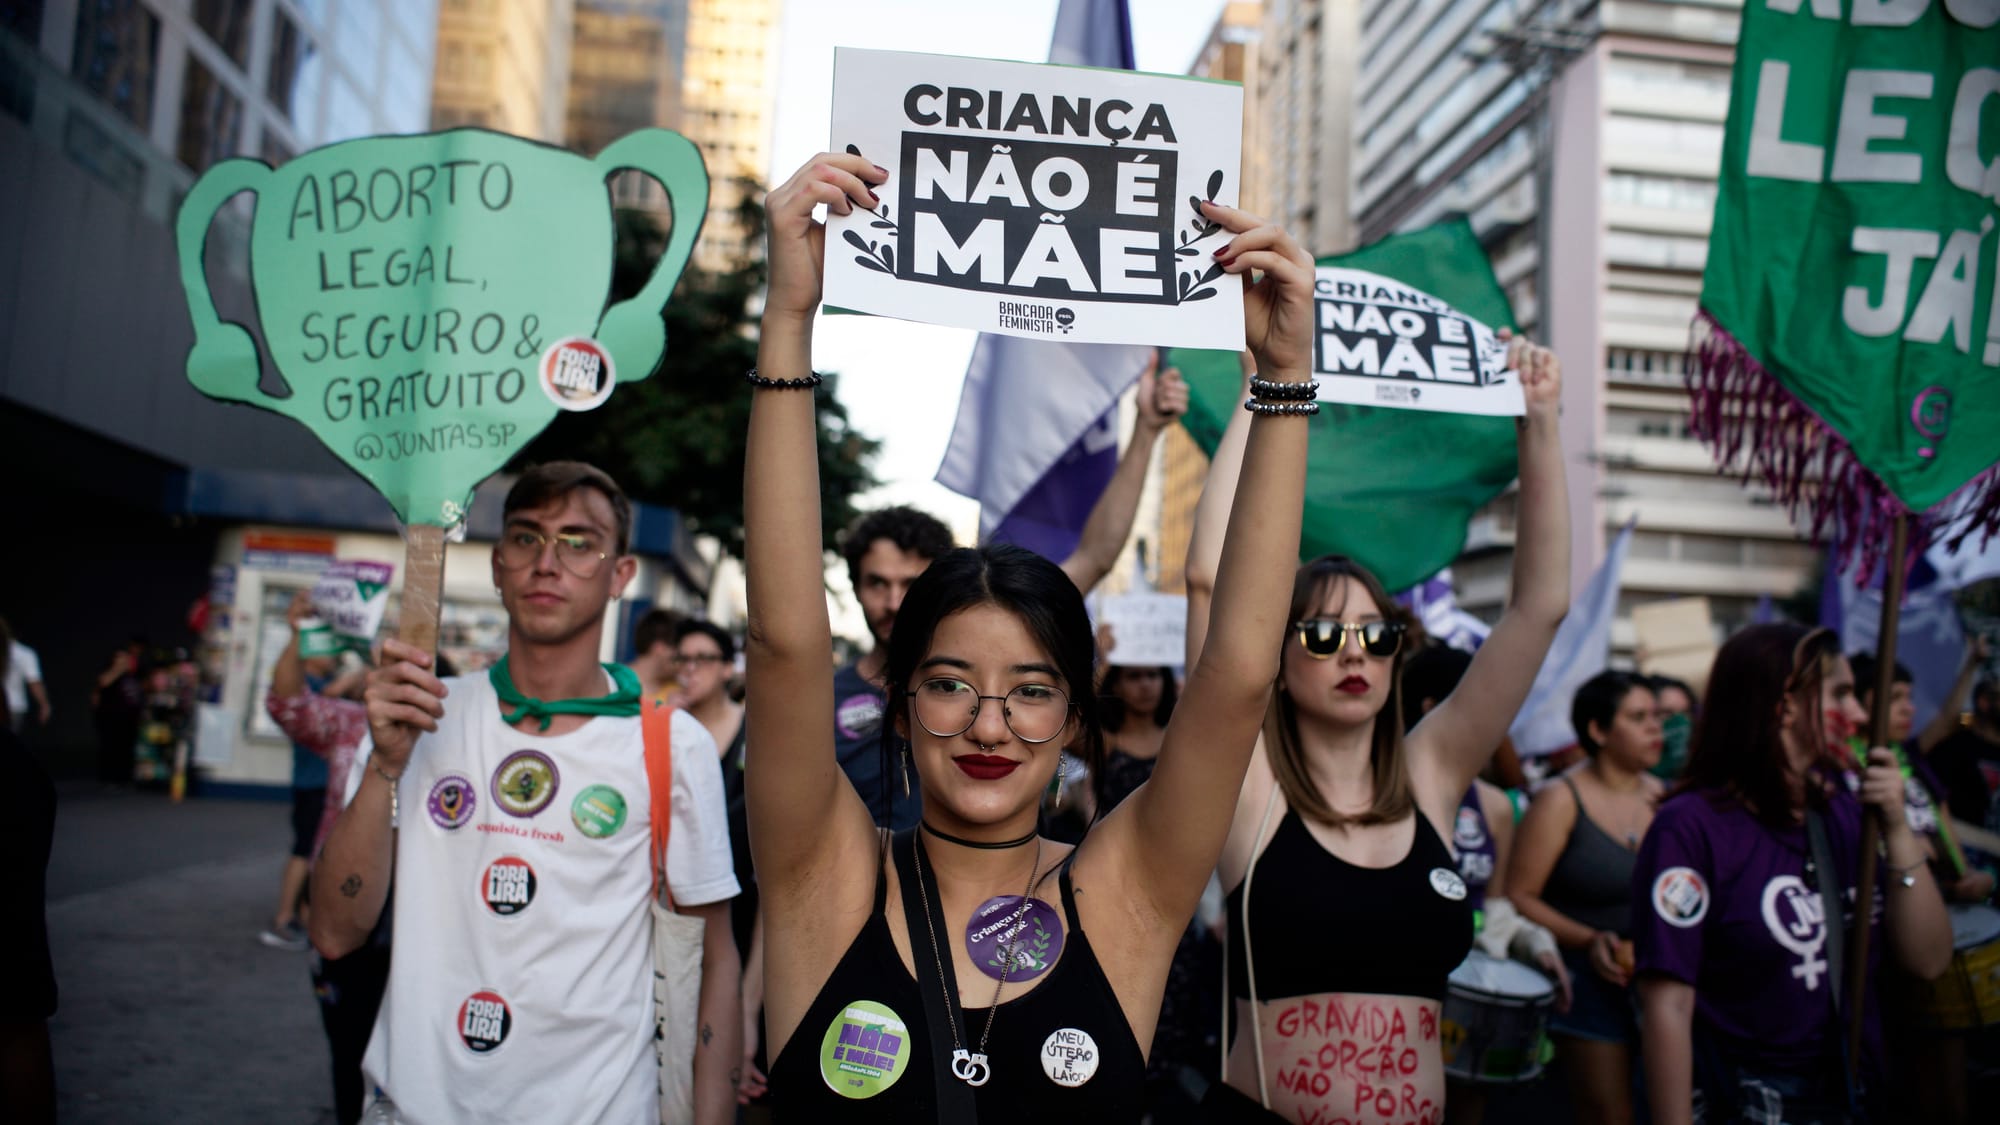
(1894, 570)
(423, 587)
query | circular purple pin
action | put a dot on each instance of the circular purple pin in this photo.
(999, 927)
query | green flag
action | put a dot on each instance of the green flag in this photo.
(1848, 344)
(1392, 489)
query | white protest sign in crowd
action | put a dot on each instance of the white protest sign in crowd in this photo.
(1048, 202)
(1382, 343)
(350, 598)
(1147, 630)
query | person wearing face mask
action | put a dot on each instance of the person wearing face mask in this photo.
(1741, 1009)
(1346, 909)
(972, 969)
(1572, 872)
(1676, 700)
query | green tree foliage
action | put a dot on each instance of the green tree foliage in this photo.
(677, 439)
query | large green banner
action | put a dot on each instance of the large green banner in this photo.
(1392, 489)
(1848, 345)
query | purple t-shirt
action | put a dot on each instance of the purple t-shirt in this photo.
(1721, 901)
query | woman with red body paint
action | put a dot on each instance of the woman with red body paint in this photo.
(1355, 911)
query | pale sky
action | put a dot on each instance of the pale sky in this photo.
(900, 381)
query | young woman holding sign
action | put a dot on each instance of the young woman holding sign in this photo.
(975, 968)
(1346, 911)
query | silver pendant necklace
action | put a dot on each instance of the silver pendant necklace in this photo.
(969, 1066)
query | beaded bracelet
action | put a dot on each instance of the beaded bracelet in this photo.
(761, 383)
(1263, 406)
(1283, 392)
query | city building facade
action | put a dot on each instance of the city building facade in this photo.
(503, 65)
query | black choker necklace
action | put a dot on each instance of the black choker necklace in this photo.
(980, 844)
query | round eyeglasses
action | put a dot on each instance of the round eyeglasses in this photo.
(578, 554)
(947, 707)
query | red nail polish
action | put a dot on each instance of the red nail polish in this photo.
(884, 171)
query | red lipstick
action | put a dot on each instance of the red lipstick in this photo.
(981, 767)
(1352, 685)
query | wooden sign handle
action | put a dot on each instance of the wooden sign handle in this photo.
(423, 587)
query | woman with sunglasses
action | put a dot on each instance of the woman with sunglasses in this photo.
(1346, 911)
(974, 968)
(1741, 1009)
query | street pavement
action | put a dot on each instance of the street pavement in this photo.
(170, 1011)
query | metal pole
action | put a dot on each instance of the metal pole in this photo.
(1871, 823)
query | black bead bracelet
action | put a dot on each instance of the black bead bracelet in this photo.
(761, 383)
(1283, 392)
(1265, 406)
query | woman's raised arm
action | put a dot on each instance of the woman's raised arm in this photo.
(797, 781)
(1176, 823)
(1454, 742)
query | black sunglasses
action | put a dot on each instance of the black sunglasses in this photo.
(1323, 637)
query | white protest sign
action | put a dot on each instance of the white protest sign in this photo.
(1382, 343)
(350, 598)
(1147, 630)
(1048, 202)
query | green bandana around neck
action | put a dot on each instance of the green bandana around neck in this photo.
(622, 702)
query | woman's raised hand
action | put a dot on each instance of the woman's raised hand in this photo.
(1540, 371)
(797, 241)
(1278, 307)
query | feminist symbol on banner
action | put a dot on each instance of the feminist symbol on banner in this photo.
(431, 301)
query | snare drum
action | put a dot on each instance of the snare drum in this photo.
(1967, 996)
(1496, 1018)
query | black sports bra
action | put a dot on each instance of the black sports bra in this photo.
(1322, 924)
(1039, 1044)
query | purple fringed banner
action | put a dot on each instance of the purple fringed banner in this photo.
(1754, 423)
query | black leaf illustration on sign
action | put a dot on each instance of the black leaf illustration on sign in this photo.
(873, 265)
(1194, 201)
(1187, 251)
(856, 241)
(1199, 295)
(852, 151)
(880, 257)
(889, 258)
(1187, 280)
(1214, 272)
(882, 225)
(1214, 183)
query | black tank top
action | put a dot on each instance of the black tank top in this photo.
(1042, 1025)
(1322, 924)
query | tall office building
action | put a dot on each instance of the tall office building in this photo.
(1300, 80)
(503, 65)
(1609, 116)
(731, 81)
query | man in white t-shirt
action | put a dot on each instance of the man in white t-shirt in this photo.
(520, 986)
(24, 683)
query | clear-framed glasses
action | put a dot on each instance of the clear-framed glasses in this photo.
(578, 554)
(947, 706)
(1323, 637)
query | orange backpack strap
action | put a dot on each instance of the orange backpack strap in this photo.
(656, 724)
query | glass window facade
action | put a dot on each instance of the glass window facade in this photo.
(117, 56)
(211, 118)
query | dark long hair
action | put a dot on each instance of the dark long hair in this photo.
(1598, 701)
(1024, 584)
(1738, 744)
(1113, 710)
(1393, 796)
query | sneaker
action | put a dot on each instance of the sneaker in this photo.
(290, 936)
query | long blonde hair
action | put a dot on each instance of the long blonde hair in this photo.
(1394, 796)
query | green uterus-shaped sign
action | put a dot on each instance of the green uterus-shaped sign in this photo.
(432, 301)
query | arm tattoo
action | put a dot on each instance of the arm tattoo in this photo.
(707, 1033)
(351, 886)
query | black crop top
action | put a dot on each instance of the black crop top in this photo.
(1070, 1011)
(1322, 924)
